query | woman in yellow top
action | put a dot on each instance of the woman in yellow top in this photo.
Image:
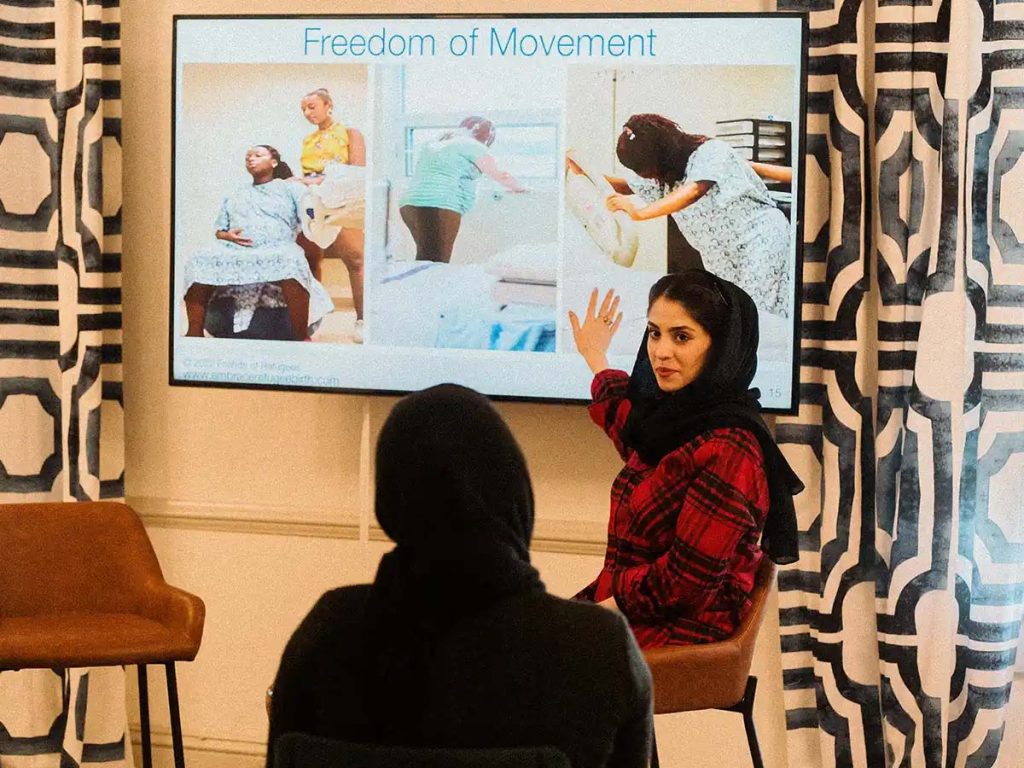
(332, 142)
(329, 142)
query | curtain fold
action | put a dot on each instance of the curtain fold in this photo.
(901, 620)
(61, 418)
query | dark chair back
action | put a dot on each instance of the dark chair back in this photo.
(300, 750)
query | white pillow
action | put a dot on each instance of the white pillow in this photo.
(614, 232)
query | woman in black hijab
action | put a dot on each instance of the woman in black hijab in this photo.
(705, 493)
(456, 643)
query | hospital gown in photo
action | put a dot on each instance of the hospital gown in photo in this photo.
(268, 215)
(740, 233)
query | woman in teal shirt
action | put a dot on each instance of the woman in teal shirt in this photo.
(443, 186)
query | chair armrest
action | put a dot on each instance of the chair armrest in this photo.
(175, 609)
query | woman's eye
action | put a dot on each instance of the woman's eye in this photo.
(682, 337)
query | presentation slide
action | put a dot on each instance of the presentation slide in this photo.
(380, 204)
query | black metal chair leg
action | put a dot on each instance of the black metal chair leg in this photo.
(654, 749)
(147, 747)
(172, 701)
(748, 722)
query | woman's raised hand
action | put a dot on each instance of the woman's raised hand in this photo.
(594, 335)
(621, 203)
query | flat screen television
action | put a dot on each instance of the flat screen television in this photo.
(382, 203)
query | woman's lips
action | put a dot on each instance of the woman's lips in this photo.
(665, 371)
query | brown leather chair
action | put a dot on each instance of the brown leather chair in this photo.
(714, 675)
(80, 586)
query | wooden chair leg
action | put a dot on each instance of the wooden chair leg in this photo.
(172, 701)
(147, 747)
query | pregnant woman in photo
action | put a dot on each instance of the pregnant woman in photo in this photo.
(255, 246)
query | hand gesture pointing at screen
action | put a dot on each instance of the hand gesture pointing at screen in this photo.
(594, 335)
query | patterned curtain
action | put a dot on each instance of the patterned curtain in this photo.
(60, 327)
(901, 620)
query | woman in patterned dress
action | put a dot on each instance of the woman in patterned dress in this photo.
(705, 493)
(256, 248)
(717, 199)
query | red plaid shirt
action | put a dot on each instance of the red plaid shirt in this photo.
(683, 535)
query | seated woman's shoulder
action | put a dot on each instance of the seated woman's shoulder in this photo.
(536, 617)
(569, 639)
(339, 608)
(351, 596)
(573, 618)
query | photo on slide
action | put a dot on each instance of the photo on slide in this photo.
(693, 170)
(470, 258)
(272, 184)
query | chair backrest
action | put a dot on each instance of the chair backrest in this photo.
(691, 677)
(746, 635)
(72, 557)
(299, 750)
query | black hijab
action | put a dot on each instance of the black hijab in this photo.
(454, 494)
(659, 423)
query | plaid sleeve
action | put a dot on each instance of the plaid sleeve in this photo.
(610, 407)
(715, 489)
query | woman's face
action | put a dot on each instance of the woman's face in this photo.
(677, 345)
(259, 161)
(315, 109)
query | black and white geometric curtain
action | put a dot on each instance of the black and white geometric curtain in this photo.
(60, 327)
(901, 620)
